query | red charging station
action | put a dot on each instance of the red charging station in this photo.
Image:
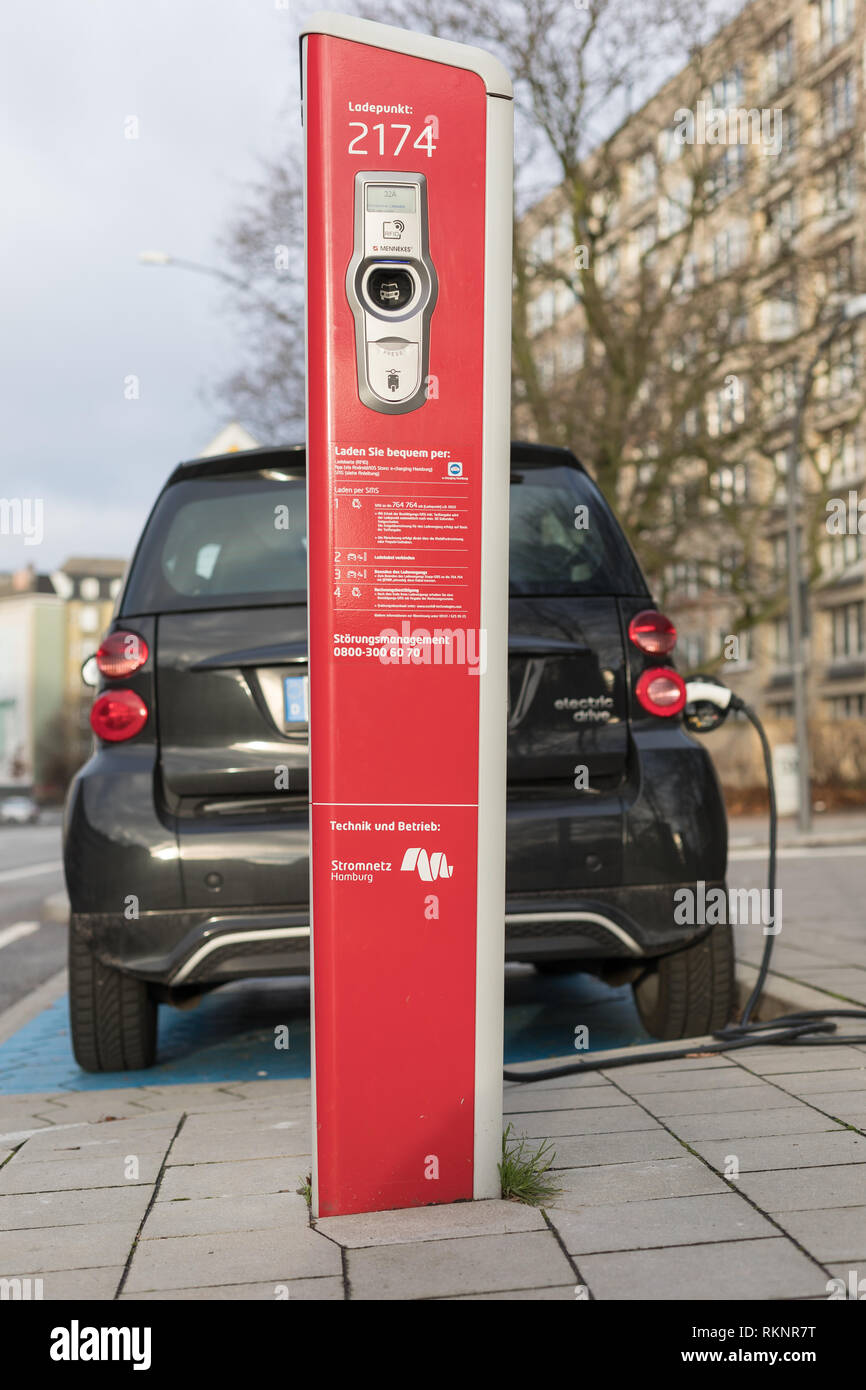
(408, 235)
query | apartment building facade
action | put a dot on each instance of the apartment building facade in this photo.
(740, 184)
(49, 625)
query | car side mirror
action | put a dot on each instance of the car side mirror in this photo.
(90, 671)
(707, 704)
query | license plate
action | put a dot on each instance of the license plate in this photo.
(296, 700)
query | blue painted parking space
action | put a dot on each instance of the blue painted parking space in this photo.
(231, 1035)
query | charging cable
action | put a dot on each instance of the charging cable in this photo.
(707, 705)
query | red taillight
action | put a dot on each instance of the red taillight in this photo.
(652, 632)
(121, 653)
(661, 691)
(118, 714)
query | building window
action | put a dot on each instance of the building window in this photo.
(837, 271)
(645, 176)
(836, 97)
(837, 189)
(779, 550)
(687, 279)
(782, 709)
(723, 572)
(730, 484)
(89, 589)
(683, 353)
(683, 578)
(726, 408)
(846, 706)
(843, 368)
(834, 22)
(779, 312)
(646, 236)
(691, 650)
(838, 552)
(732, 327)
(840, 459)
(779, 60)
(783, 222)
(846, 630)
(780, 390)
(726, 173)
(669, 147)
(729, 247)
(781, 642)
(88, 619)
(605, 206)
(675, 208)
(727, 91)
(780, 152)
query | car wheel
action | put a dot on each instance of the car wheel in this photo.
(690, 992)
(112, 1016)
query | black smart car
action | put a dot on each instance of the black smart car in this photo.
(186, 833)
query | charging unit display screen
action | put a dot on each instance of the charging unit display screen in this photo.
(408, 233)
(390, 199)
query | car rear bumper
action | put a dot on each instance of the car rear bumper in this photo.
(589, 878)
(198, 948)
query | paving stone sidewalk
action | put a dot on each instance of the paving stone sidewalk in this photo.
(821, 947)
(718, 1178)
(734, 1177)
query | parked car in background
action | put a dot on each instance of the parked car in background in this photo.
(186, 863)
(18, 810)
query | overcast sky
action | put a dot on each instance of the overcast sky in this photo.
(214, 87)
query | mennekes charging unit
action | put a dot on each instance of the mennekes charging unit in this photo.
(408, 229)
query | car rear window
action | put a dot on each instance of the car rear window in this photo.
(222, 542)
(564, 537)
(239, 539)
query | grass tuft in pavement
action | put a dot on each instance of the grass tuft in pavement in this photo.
(524, 1172)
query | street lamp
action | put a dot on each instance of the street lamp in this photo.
(163, 258)
(852, 309)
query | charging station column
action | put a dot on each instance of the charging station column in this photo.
(408, 232)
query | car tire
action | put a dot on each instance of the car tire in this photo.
(690, 992)
(112, 1016)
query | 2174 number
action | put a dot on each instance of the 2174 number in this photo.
(423, 141)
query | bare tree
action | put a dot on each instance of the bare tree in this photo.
(651, 365)
(262, 245)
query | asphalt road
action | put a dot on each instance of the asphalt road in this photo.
(30, 869)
